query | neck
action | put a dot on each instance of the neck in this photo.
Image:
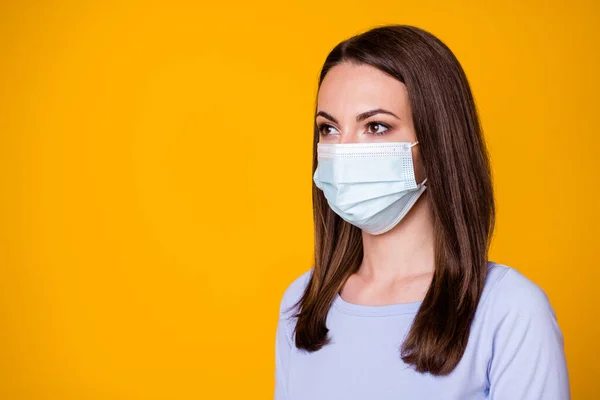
(404, 251)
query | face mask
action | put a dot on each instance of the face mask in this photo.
(370, 185)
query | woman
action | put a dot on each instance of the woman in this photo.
(402, 302)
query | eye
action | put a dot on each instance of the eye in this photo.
(324, 126)
(377, 124)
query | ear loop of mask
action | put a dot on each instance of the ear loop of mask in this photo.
(412, 145)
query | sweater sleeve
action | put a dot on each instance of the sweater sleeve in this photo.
(282, 355)
(284, 336)
(528, 360)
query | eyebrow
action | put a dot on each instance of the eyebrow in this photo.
(360, 117)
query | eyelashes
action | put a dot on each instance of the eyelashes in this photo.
(323, 126)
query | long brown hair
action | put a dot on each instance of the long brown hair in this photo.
(456, 164)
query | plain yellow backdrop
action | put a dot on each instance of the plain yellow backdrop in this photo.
(155, 163)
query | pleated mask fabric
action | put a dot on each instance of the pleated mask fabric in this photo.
(370, 185)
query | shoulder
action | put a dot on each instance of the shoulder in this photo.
(293, 291)
(527, 358)
(512, 304)
(507, 289)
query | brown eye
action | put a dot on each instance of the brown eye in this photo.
(322, 128)
(377, 125)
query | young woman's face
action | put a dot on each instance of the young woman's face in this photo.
(359, 103)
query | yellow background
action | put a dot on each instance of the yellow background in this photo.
(155, 174)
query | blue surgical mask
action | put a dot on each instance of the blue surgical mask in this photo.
(370, 185)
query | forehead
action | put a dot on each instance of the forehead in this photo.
(350, 88)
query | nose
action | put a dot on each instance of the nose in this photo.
(348, 139)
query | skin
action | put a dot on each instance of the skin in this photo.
(398, 265)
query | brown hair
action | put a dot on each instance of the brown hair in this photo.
(456, 164)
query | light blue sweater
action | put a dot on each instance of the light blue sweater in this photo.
(515, 350)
